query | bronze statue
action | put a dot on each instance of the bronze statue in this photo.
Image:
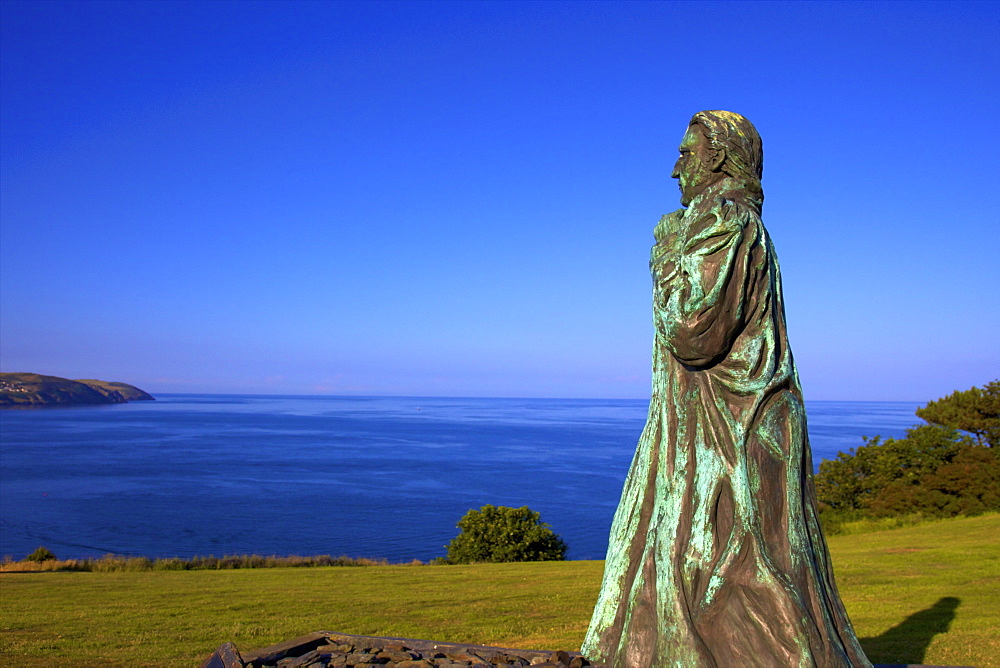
(716, 557)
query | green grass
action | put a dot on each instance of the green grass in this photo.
(849, 524)
(902, 588)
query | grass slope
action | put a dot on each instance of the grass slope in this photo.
(32, 389)
(919, 594)
(114, 389)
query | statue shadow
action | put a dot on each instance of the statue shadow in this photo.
(907, 642)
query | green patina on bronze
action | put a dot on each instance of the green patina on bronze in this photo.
(716, 557)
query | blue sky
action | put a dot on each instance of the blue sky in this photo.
(458, 198)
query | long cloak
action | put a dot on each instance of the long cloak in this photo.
(716, 557)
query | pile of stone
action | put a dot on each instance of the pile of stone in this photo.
(323, 649)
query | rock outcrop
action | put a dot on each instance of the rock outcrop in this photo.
(323, 649)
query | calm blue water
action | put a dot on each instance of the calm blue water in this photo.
(380, 477)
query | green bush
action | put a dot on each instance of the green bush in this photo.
(500, 534)
(937, 470)
(41, 554)
(171, 564)
(111, 563)
(967, 485)
(855, 478)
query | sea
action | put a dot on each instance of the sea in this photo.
(365, 477)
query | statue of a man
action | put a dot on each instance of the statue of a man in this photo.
(716, 557)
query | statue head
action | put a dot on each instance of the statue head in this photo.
(720, 145)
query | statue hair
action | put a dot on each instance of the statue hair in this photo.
(744, 149)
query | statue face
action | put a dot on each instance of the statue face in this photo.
(696, 169)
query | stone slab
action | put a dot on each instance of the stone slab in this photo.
(294, 647)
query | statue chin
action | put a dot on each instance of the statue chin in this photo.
(686, 195)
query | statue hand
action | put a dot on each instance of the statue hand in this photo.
(669, 223)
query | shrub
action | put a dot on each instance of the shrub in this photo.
(502, 534)
(967, 485)
(855, 478)
(935, 470)
(171, 564)
(111, 563)
(41, 554)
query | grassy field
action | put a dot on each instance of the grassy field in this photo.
(924, 594)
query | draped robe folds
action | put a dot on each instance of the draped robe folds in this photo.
(716, 557)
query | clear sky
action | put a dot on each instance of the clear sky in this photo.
(458, 199)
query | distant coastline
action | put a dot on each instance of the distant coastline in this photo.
(23, 390)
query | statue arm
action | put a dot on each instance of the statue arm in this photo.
(699, 307)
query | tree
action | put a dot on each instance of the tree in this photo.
(854, 479)
(935, 469)
(967, 485)
(499, 534)
(976, 410)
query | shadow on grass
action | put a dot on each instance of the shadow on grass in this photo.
(907, 642)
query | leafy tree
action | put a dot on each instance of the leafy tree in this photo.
(967, 485)
(935, 469)
(41, 554)
(976, 410)
(854, 479)
(500, 533)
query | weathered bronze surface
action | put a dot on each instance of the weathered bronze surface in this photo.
(716, 557)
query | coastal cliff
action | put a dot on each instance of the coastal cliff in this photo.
(33, 389)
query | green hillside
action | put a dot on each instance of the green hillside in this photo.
(33, 389)
(114, 390)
